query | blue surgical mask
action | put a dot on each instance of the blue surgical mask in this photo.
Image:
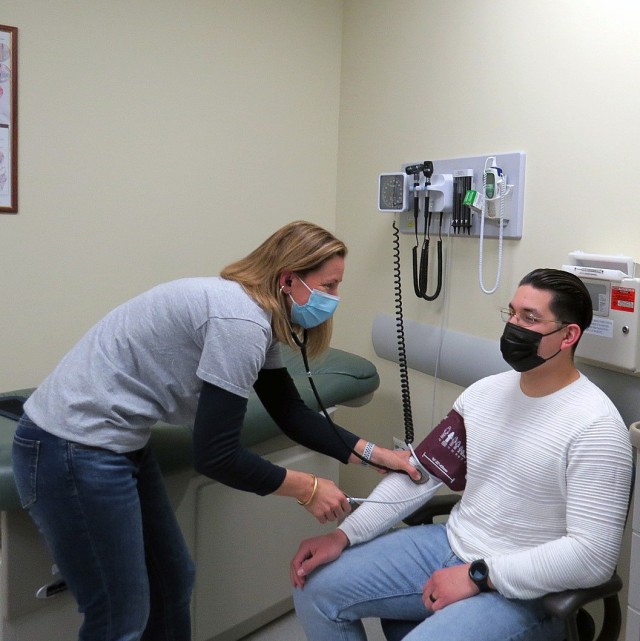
(318, 309)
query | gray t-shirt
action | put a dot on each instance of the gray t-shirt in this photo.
(145, 361)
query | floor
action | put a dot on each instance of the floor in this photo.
(287, 628)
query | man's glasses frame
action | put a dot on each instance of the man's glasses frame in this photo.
(526, 318)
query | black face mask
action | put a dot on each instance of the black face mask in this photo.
(519, 347)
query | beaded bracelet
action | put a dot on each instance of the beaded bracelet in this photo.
(367, 452)
(313, 492)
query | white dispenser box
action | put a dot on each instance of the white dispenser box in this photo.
(612, 339)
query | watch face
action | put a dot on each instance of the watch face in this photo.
(479, 574)
(478, 571)
(391, 192)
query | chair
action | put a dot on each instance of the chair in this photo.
(568, 606)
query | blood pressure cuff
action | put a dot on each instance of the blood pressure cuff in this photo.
(443, 452)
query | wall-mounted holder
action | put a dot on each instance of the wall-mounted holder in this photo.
(451, 181)
(441, 193)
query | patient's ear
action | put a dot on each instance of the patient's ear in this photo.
(572, 334)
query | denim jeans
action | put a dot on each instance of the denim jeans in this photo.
(384, 578)
(113, 534)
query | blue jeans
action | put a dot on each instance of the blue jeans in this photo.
(113, 534)
(384, 578)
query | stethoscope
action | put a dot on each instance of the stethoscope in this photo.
(421, 264)
(302, 344)
(425, 476)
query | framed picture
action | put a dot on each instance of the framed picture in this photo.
(8, 120)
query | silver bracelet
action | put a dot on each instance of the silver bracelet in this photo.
(366, 453)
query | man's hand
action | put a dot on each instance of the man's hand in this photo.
(448, 586)
(315, 552)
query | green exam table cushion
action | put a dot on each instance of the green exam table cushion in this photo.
(340, 377)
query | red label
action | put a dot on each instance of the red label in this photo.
(623, 299)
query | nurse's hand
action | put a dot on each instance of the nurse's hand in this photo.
(321, 497)
(315, 552)
(328, 503)
(393, 459)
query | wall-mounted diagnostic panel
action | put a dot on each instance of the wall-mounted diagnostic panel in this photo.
(612, 340)
(470, 193)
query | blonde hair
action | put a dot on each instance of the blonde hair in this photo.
(300, 247)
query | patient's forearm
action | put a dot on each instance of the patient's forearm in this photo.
(372, 519)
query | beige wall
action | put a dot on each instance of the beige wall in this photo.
(161, 139)
(164, 138)
(158, 139)
(434, 79)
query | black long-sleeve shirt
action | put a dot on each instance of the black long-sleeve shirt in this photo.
(218, 452)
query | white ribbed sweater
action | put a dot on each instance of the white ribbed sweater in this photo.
(547, 487)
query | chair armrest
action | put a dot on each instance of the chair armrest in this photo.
(439, 505)
(563, 604)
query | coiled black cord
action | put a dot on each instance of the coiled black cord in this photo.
(402, 350)
(402, 360)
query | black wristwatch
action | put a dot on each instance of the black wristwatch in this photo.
(479, 574)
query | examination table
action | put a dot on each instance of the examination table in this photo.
(241, 543)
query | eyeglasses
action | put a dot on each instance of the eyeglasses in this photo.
(526, 318)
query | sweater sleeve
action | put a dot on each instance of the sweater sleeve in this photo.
(598, 485)
(277, 392)
(393, 499)
(217, 450)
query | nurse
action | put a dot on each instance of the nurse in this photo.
(186, 352)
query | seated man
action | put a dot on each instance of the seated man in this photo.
(548, 476)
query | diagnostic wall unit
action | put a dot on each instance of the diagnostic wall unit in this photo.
(450, 182)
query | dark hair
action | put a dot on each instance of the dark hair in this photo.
(570, 302)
